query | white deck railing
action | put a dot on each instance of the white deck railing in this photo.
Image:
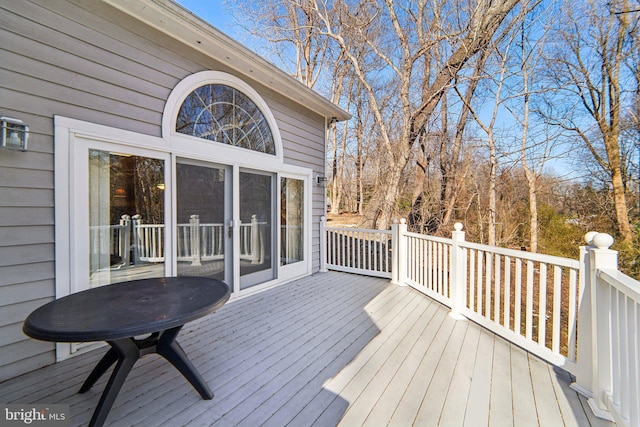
(357, 251)
(536, 301)
(132, 241)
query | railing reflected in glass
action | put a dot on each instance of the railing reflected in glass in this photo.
(131, 243)
(120, 248)
(291, 220)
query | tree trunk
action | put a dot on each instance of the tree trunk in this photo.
(493, 166)
(620, 202)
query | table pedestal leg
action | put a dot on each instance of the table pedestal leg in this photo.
(169, 348)
(127, 354)
(105, 363)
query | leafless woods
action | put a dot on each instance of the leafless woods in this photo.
(518, 118)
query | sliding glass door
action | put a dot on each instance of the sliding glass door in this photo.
(256, 229)
(224, 224)
(203, 214)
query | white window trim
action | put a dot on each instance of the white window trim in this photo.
(73, 138)
(181, 143)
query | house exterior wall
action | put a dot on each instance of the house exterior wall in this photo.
(91, 62)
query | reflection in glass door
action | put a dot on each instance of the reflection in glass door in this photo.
(126, 217)
(256, 229)
(202, 239)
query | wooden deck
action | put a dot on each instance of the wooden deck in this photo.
(331, 349)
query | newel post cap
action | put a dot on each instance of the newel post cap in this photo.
(588, 238)
(602, 241)
(458, 226)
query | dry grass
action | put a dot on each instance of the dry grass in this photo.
(343, 220)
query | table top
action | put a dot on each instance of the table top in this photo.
(126, 309)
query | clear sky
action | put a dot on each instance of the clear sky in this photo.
(212, 11)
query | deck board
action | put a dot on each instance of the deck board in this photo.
(524, 404)
(501, 411)
(330, 349)
(478, 405)
(454, 409)
(433, 401)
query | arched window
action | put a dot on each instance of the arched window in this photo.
(224, 114)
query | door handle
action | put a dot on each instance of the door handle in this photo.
(230, 232)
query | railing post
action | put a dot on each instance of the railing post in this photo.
(601, 257)
(394, 252)
(136, 221)
(584, 362)
(458, 275)
(125, 239)
(399, 252)
(255, 240)
(323, 244)
(194, 237)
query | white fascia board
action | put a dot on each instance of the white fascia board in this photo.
(180, 24)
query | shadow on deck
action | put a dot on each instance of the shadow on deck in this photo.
(330, 349)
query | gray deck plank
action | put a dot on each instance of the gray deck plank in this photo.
(433, 401)
(387, 361)
(408, 408)
(501, 409)
(548, 411)
(524, 404)
(391, 396)
(454, 409)
(349, 383)
(477, 411)
(330, 349)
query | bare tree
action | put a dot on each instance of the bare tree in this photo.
(291, 32)
(453, 171)
(535, 150)
(589, 67)
(400, 38)
(489, 129)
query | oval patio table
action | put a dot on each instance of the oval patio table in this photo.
(117, 313)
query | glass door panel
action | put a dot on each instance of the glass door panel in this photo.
(256, 229)
(126, 217)
(291, 221)
(203, 211)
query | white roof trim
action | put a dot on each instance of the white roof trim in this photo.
(180, 24)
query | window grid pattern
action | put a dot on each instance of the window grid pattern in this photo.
(223, 114)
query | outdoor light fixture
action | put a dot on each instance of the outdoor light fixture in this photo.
(14, 134)
(321, 180)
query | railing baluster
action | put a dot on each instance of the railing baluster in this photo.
(497, 282)
(529, 312)
(517, 316)
(507, 292)
(472, 276)
(487, 284)
(479, 279)
(424, 261)
(572, 315)
(557, 298)
(542, 305)
(438, 268)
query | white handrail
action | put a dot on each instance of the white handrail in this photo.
(356, 250)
